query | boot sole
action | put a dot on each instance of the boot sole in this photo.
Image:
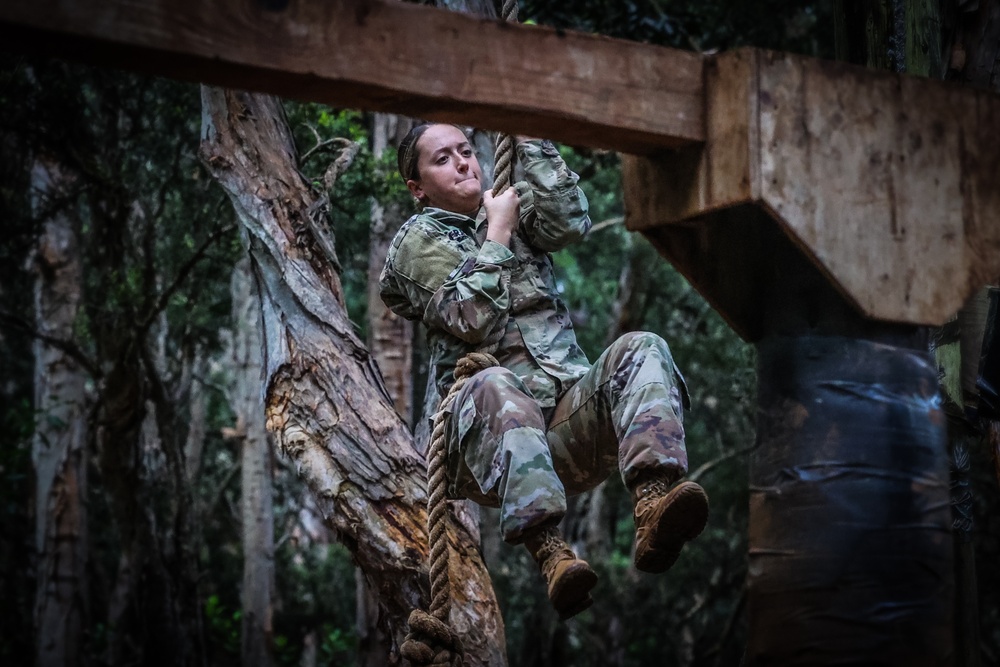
(573, 593)
(582, 605)
(682, 521)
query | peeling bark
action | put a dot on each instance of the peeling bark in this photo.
(58, 447)
(325, 402)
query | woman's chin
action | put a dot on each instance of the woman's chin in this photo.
(471, 201)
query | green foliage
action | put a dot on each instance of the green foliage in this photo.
(224, 625)
(133, 140)
(318, 584)
(702, 25)
(337, 647)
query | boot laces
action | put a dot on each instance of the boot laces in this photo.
(653, 489)
(552, 550)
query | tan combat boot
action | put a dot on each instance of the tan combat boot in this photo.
(569, 578)
(665, 519)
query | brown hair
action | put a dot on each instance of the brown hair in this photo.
(407, 155)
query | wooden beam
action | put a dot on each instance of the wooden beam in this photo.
(887, 183)
(386, 55)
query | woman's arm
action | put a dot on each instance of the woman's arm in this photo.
(554, 210)
(439, 276)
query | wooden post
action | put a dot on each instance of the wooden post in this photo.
(850, 527)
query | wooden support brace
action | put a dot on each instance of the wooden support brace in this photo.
(889, 184)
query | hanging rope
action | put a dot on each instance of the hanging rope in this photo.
(430, 640)
(503, 161)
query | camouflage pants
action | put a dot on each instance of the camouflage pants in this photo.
(626, 412)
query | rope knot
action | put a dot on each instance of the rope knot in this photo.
(472, 363)
(431, 642)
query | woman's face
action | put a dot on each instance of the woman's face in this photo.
(450, 177)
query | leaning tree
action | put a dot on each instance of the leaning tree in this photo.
(324, 398)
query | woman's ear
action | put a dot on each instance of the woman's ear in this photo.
(415, 189)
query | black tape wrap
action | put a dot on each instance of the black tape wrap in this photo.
(850, 529)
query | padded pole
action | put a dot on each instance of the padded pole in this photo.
(850, 526)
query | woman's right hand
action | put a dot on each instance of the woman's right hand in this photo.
(501, 215)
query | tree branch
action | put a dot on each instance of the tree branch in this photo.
(182, 274)
(67, 346)
(708, 466)
(221, 488)
(320, 145)
(604, 224)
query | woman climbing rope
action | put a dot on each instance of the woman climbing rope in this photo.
(545, 422)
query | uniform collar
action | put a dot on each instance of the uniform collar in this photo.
(463, 222)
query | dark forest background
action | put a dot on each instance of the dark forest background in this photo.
(155, 258)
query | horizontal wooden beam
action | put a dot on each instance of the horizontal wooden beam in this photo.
(385, 55)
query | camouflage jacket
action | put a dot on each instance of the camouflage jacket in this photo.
(440, 269)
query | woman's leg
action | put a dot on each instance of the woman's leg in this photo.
(503, 459)
(626, 412)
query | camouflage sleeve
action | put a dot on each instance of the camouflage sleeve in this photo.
(451, 283)
(554, 211)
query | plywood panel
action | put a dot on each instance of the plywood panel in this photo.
(888, 182)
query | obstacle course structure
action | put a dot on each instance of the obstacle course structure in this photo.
(827, 211)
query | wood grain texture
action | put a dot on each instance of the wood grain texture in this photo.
(384, 55)
(887, 183)
(694, 180)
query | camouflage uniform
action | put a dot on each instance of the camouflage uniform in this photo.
(545, 423)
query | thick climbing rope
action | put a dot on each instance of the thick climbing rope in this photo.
(431, 641)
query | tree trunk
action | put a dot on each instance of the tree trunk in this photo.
(256, 506)
(58, 447)
(173, 526)
(974, 54)
(154, 618)
(390, 339)
(194, 444)
(324, 399)
(871, 33)
(390, 336)
(626, 309)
